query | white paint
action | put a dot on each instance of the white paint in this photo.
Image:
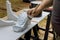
(22, 22)
(4, 23)
(11, 15)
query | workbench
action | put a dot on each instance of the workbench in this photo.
(7, 33)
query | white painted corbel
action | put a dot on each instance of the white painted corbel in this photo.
(10, 13)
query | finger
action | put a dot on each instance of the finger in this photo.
(33, 15)
(33, 11)
(29, 12)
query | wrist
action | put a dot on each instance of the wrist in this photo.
(40, 9)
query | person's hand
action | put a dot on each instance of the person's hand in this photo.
(34, 12)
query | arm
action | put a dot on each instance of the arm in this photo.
(36, 11)
(45, 3)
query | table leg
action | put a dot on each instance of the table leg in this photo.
(28, 35)
(35, 30)
(47, 27)
(54, 38)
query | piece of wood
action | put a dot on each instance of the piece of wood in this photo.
(7, 33)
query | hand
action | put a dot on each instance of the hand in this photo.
(34, 12)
